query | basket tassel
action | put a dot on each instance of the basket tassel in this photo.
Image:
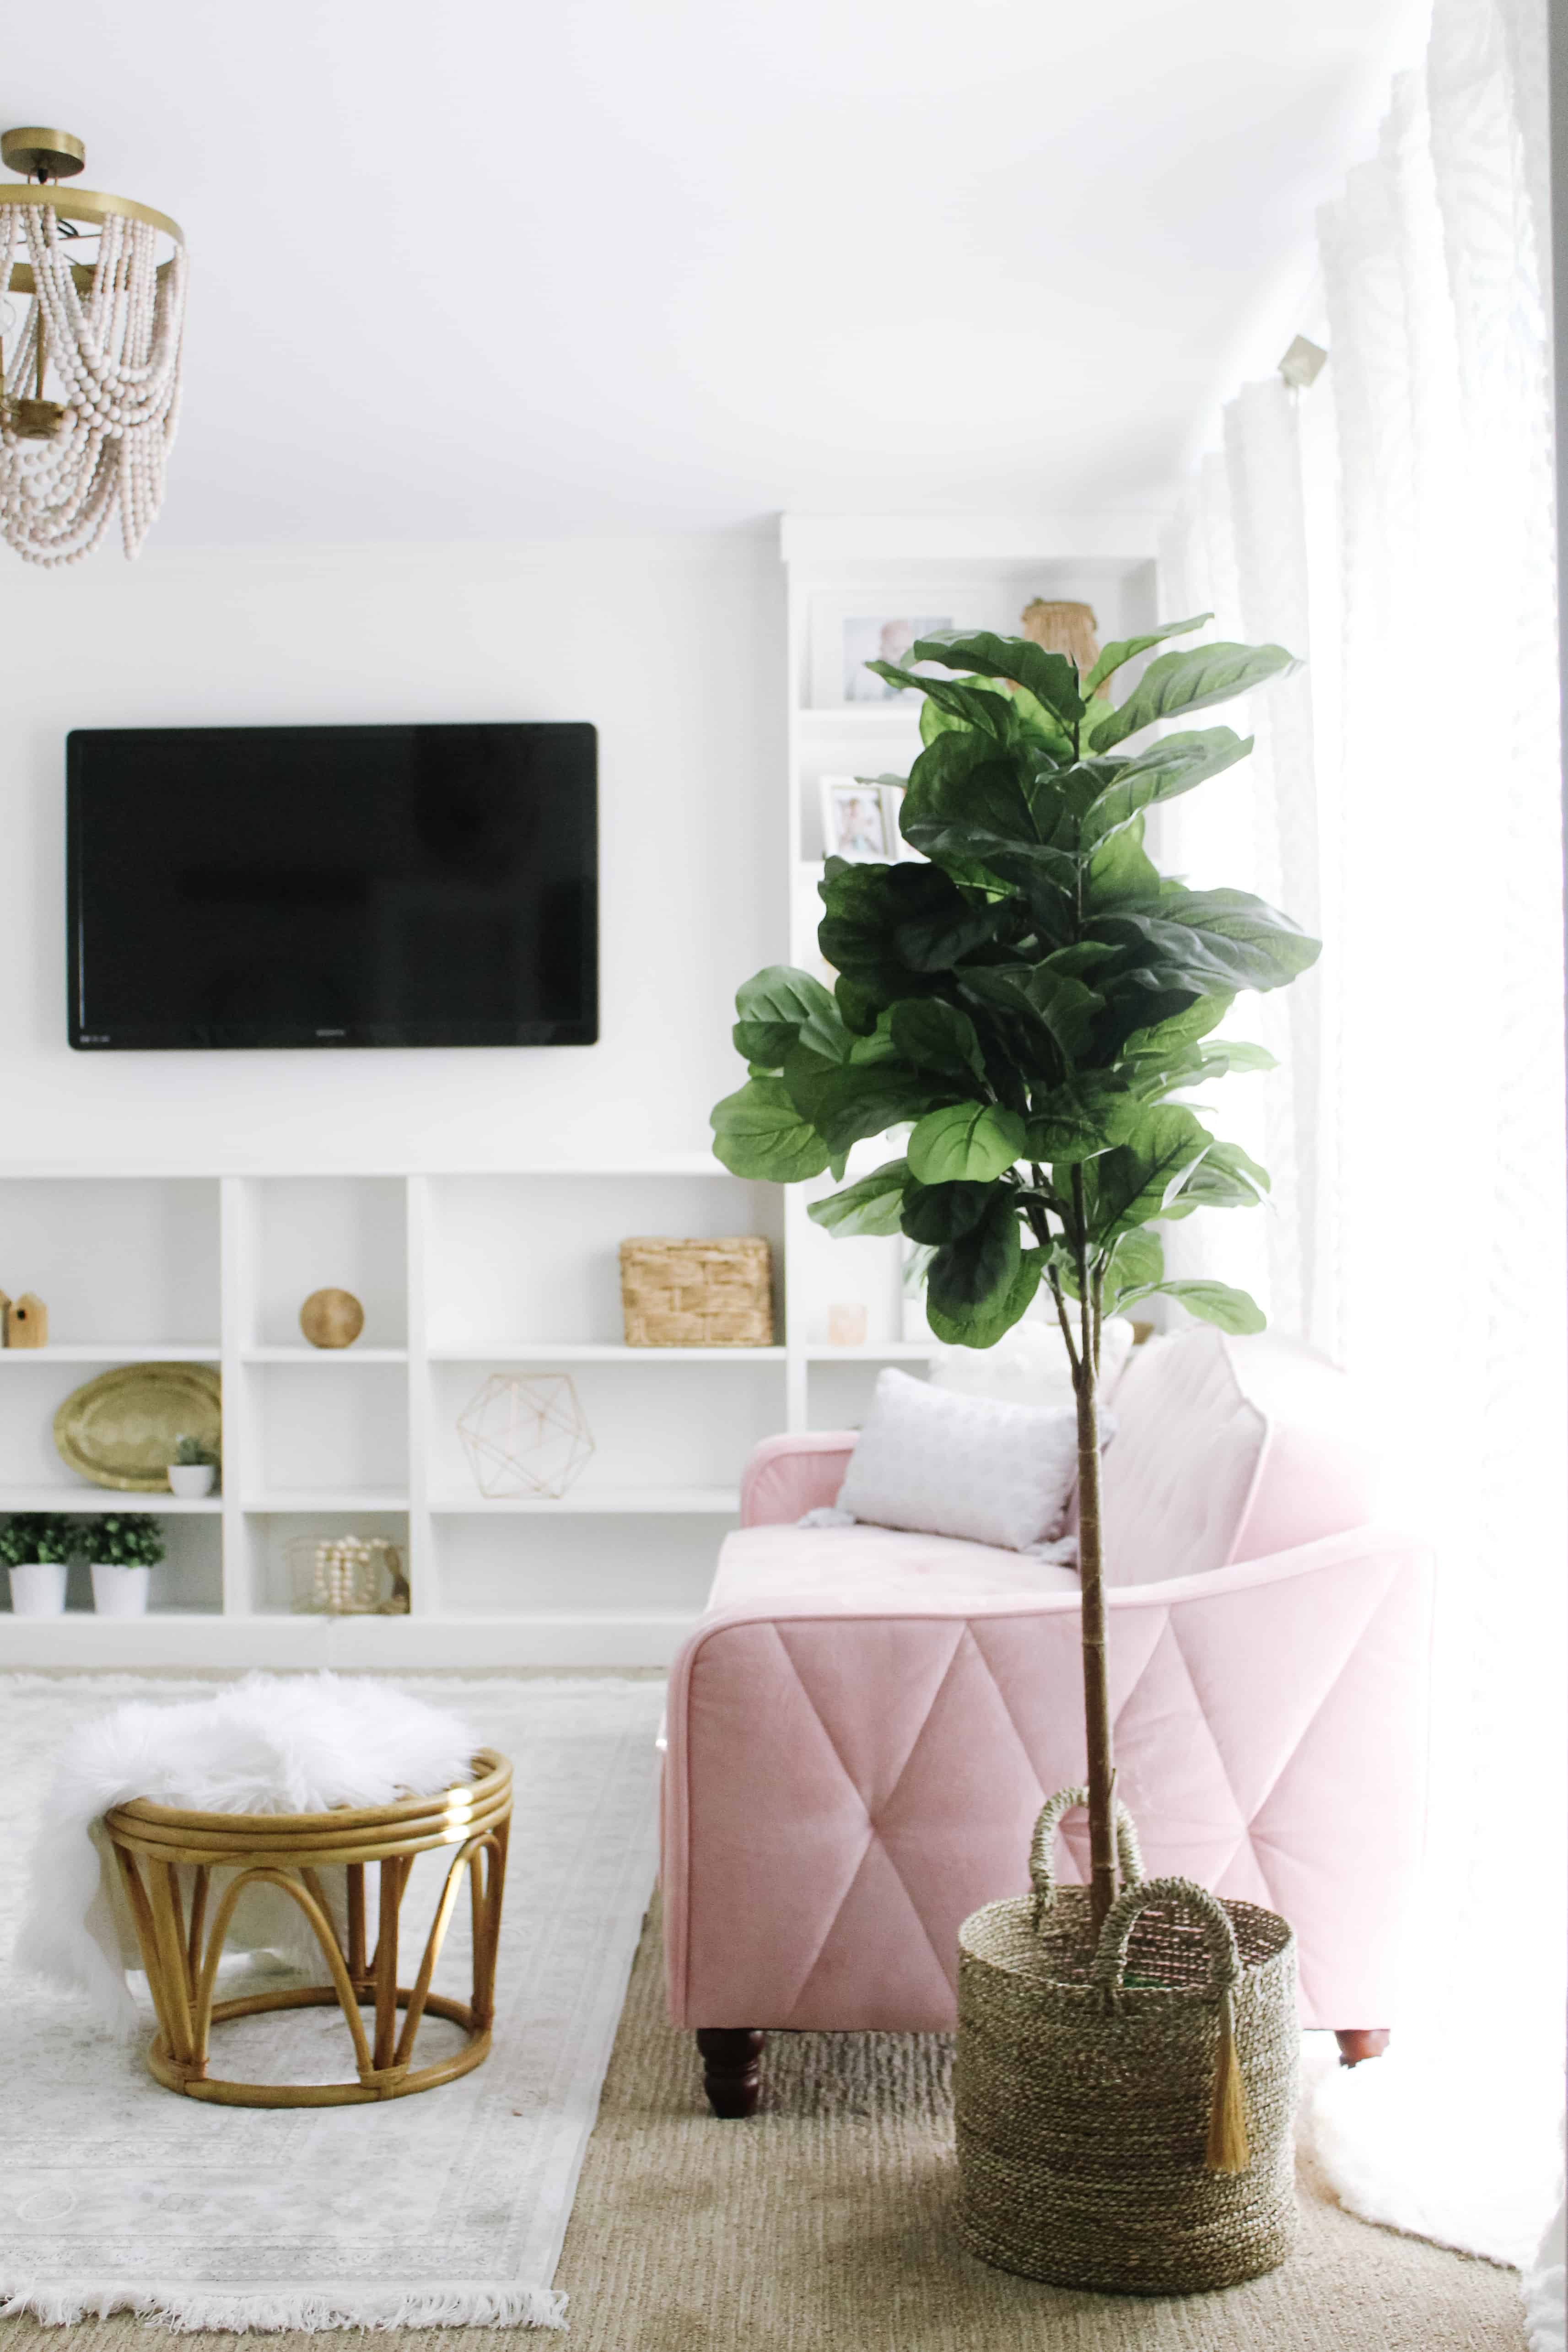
(1228, 2149)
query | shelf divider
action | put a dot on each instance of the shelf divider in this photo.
(424, 1560)
(236, 1273)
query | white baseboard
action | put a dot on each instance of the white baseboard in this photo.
(174, 1638)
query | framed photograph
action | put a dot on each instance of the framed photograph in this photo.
(881, 639)
(847, 627)
(855, 822)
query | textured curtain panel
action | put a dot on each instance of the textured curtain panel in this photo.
(1395, 524)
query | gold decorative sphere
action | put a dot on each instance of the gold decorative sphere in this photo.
(331, 1318)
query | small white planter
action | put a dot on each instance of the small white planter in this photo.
(191, 1478)
(39, 1590)
(119, 1592)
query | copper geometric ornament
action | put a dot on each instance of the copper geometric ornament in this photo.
(526, 1436)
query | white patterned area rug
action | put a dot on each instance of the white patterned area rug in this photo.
(445, 2209)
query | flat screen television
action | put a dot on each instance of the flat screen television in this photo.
(333, 886)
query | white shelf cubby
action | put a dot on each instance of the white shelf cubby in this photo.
(462, 1276)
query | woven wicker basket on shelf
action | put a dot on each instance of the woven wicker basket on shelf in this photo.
(1125, 2105)
(678, 1294)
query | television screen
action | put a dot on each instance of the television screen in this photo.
(333, 886)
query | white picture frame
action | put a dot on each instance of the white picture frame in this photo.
(847, 631)
(855, 821)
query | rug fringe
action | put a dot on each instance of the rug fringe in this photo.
(188, 2310)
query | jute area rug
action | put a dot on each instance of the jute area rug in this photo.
(824, 2225)
(116, 2193)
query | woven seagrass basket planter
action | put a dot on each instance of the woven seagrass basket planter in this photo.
(1126, 2106)
(678, 1294)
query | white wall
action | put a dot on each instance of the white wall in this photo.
(672, 647)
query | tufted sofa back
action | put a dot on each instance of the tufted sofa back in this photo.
(1229, 1450)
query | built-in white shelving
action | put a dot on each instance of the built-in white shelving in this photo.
(523, 1351)
(115, 1351)
(308, 1355)
(601, 1501)
(79, 1499)
(466, 1274)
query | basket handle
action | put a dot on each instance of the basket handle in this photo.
(1227, 2148)
(1042, 1852)
(1111, 1958)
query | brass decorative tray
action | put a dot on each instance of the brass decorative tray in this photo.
(120, 1430)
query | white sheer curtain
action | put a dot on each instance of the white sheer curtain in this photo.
(1394, 525)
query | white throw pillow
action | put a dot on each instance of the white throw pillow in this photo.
(956, 1466)
(1028, 1364)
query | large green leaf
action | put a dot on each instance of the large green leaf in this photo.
(758, 1132)
(1214, 1302)
(1150, 1077)
(972, 707)
(967, 780)
(777, 1008)
(968, 1142)
(1126, 649)
(866, 906)
(1210, 940)
(1137, 1267)
(1120, 871)
(1051, 678)
(977, 1286)
(935, 1214)
(1225, 1178)
(983, 1324)
(938, 941)
(1164, 1038)
(1230, 1057)
(1136, 1183)
(974, 853)
(1191, 681)
(859, 1007)
(1170, 767)
(1063, 1006)
(874, 1204)
(933, 1034)
(1081, 1119)
(847, 1101)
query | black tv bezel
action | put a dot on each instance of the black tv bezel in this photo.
(257, 1036)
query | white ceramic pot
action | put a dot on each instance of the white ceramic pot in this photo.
(119, 1592)
(39, 1590)
(191, 1478)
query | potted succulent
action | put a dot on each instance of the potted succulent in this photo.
(124, 1548)
(193, 1468)
(36, 1548)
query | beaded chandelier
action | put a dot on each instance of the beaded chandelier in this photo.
(89, 372)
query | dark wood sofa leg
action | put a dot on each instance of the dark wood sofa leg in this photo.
(732, 2067)
(1359, 2041)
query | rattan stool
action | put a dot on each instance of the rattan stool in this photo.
(151, 1842)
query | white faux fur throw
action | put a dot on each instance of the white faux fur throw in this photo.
(295, 1744)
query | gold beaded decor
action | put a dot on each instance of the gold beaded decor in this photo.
(346, 1576)
(91, 322)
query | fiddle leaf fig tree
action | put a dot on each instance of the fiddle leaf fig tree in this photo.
(1030, 1003)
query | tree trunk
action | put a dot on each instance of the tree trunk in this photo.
(1096, 1695)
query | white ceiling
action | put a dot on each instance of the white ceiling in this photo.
(500, 267)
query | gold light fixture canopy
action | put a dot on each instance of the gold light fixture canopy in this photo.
(43, 154)
(90, 373)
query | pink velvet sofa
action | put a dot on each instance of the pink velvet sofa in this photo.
(865, 1723)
